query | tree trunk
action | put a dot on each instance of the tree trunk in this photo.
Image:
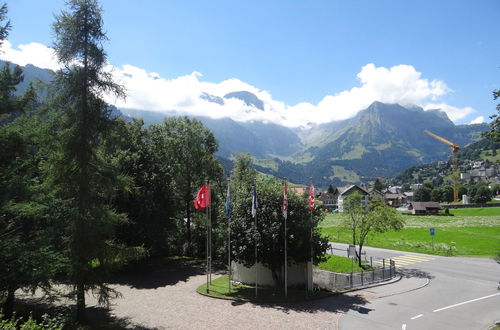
(81, 316)
(8, 305)
(276, 278)
(359, 253)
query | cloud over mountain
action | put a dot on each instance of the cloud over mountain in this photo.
(401, 84)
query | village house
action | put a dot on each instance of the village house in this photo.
(425, 208)
(344, 192)
(395, 199)
(329, 201)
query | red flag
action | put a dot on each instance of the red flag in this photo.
(311, 198)
(202, 199)
(284, 206)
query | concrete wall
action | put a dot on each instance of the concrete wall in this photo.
(297, 274)
(339, 282)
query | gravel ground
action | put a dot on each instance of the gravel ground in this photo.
(164, 297)
(179, 306)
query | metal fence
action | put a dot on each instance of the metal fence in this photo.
(341, 281)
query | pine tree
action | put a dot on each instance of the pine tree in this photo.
(82, 174)
(4, 29)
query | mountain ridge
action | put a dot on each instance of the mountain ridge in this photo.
(381, 140)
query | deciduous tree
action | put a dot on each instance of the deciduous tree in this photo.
(377, 217)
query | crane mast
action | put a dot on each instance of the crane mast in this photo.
(454, 161)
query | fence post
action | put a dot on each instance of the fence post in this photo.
(383, 269)
(351, 280)
(362, 282)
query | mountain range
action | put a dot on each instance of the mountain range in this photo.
(380, 141)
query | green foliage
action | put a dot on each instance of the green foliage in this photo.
(378, 185)
(331, 190)
(189, 149)
(482, 195)
(82, 173)
(361, 220)
(338, 264)
(219, 288)
(422, 194)
(4, 29)
(494, 133)
(269, 233)
(47, 323)
(29, 251)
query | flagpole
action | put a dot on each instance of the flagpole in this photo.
(311, 238)
(286, 257)
(228, 213)
(254, 207)
(210, 229)
(208, 283)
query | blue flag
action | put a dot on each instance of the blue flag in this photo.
(228, 202)
(255, 204)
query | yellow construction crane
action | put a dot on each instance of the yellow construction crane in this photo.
(454, 151)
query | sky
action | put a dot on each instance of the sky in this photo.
(309, 61)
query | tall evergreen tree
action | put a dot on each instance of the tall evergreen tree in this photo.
(4, 29)
(83, 174)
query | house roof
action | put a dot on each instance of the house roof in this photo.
(424, 206)
(343, 190)
(393, 196)
(326, 195)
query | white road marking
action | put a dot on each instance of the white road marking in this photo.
(466, 302)
(417, 316)
(403, 327)
(405, 260)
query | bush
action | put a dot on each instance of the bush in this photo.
(48, 322)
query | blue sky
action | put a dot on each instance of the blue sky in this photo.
(308, 60)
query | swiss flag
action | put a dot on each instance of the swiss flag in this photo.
(202, 199)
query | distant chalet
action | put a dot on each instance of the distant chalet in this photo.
(335, 200)
(424, 208)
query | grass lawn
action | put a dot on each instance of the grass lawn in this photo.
(476, 212)
(339, 265)
(477, 235)
(219, 288)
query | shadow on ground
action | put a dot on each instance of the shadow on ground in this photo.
(160, 272)
(98, 317)
(338, 303)
(409, 273)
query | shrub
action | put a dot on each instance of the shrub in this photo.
(48, 322)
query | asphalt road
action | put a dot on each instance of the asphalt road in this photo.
(457, 293)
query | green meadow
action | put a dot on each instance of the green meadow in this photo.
(471, 232)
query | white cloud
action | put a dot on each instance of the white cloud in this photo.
(33, 53)
(478, 120)
(453, 113)
(401, 84)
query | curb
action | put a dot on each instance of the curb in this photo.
(260, 302)
(391, 281)
(414, 289)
